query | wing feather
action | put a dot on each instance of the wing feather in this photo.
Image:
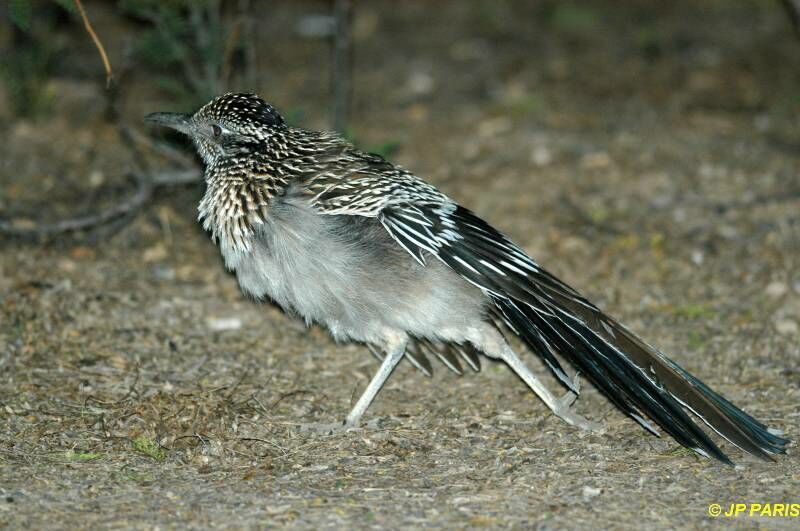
(550, 316)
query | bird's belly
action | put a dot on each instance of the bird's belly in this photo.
(357, 289)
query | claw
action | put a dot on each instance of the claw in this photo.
(563, 411)
(572, 418)
(567, 399)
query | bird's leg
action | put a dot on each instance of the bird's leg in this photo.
(395, 350)
(495, 346)
(559, 406)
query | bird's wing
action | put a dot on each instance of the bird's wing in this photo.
(367, 185)
(424, 221)
(546, 313)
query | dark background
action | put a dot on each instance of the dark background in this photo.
(647, 152)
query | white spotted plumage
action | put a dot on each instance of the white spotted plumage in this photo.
(364, 247)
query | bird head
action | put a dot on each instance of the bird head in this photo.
(229, 125)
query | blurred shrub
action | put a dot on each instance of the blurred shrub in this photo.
(194, 46)
(26, 69)
(25, 74)
(574, 17)
(20, 12)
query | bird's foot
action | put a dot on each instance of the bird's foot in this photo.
(563, 410)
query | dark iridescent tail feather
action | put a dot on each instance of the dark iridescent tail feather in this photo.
(551, 317)
(641, 381)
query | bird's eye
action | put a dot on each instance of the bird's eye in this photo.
(216, 129)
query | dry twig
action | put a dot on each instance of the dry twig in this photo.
(792, 8)
(98, 44)
(144, 190)
(342, 69)
(121, 213)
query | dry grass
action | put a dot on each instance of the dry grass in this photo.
(121, 406)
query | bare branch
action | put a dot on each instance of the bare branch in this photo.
(111, 220)
(144, 191)
(342, 69)
(177, 177)
(231, 43)
(250, 44)
(792, 8)
(97, 43)
(135, 137)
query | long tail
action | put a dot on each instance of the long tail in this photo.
(553, 318)
(639, 379)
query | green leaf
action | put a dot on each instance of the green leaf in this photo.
(575, 17)
(149, 447)
(385, 149)
(20, 12)
(68, 6)
(72, 455)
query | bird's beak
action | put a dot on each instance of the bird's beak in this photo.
(179, 122)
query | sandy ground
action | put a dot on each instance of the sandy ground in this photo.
(649, 155)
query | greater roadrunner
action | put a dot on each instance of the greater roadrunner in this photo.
(348, 240)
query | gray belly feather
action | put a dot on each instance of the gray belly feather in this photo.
(347, 273)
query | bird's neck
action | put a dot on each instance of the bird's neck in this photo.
(241, 187)
(238, 196)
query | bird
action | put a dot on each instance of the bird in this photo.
(345, 239)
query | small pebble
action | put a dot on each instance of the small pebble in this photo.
(590, 492)
(420, 83)
(777, 289)
(541, 156)
(220, 324)
(596, 161)
(787, 327)
(316, 26)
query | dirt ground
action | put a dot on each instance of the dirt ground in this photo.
(646, 152)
